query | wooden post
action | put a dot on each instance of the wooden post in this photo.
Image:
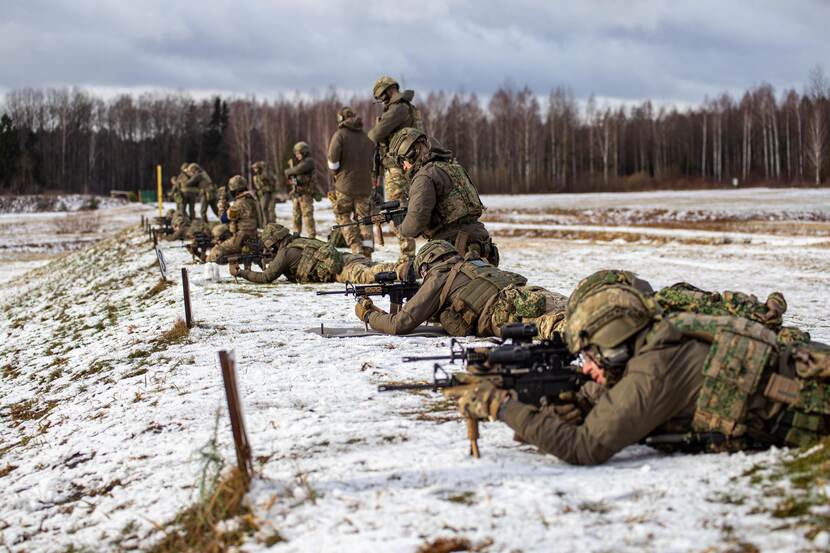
(159, 192)
(240, 435)
(188, 316)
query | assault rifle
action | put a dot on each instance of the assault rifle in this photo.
(515, 350)
(159, 226)
(536, 378)
(384, 213)
(385, 285)
(198, 246)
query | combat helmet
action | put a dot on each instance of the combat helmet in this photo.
(273, 233)
(258, 166)
(433, 251)
(302, 148)
(345, 113)
(184, 167)
(382, 84)
(219, 231)
(237, 183)
(403, 140)
(604, 311)
(194, 168)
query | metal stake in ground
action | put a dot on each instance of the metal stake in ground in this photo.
(188, 316)
(240, 435)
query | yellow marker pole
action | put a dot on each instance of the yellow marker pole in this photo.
(158, 179)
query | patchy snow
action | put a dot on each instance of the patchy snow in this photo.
(62, 202)
(118, 450)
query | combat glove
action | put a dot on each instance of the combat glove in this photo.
(363, 307)
(233, 268)
(482, 401)
(332, 196)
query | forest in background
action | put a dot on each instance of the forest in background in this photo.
(70, 140)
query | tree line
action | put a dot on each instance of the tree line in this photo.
(62, 139)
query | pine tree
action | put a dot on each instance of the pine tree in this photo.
(9, 150)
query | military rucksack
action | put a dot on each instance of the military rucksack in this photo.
(747, 359)
(319, 261)
(461, 316)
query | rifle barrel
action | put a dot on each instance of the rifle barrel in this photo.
(334, 293)
(427, 358)
(398, 387)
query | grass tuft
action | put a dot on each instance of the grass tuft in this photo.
(157, 288)
(177, 333)
(448, 545)
(196, 528)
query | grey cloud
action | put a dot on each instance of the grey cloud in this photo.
(680, 50)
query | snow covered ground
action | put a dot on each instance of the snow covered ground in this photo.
(103, 419)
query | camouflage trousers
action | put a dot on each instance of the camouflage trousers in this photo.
(189, 198)
(363, 272)
(266, 206)
(303, 211)
(208, 202)
(359, 239)
(396, 187)
(231, 246)
(525, 304)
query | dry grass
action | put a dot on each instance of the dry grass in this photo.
(157, 288)
(196, 528)
(177, 333)
(6, 470)
(448, 545)
(30, 409)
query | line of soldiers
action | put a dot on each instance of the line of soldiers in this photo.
(721, 368)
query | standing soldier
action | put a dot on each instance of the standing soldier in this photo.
(300, 174)
(443, 201)
(398, 113)
(350, 159)
(243, 214)
(200, 180)
(265, 184)
(176, 189)
(189, 187)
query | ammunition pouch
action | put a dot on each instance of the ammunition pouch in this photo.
(462, 316)
(319, 261)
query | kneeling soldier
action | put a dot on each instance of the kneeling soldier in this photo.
(243, 216)
(443, 201)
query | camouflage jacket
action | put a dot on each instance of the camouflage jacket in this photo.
(398, 114)
(243, 214)
(442, 199)
(301, 177)
(265, 182)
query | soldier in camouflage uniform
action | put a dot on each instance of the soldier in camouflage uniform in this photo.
(198, 178)
(265, 184)
(350, 159)
(306, 260)
(690, 381)
(398, 113)
(243, 216)
(189, 187)
(302, 189)
(176, 189)
(181, 228)
(468, 297)
(443, 201)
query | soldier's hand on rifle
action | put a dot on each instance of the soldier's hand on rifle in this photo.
(233, 268)
(363, 307)
(571, 408)
(479, 400)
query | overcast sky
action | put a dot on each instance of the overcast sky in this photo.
(674, 51)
